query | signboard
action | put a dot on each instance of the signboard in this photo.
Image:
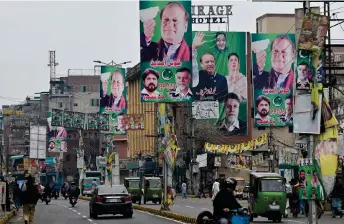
(205, 110)
(211, 14)
(12, 112)
(134, 122)
(38, 141)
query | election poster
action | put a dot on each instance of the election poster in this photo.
(165, 49)
(273, 57)
(113, 98)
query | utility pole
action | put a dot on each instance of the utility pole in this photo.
(312, 215)
(156, 134)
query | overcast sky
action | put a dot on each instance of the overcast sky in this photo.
(81, 32)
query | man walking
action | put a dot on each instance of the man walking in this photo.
(184, 189)
(30, 196)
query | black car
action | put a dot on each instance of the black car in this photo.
(113, 199)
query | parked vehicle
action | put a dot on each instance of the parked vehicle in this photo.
(152, 190)
(113, 199)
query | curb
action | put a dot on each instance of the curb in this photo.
(8, 217)
(167, 214)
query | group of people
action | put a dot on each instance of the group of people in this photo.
(28, 194)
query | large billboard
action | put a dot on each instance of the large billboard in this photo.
(165, 41)
(113, 100)
(219, 69)
(273, 57)
(57, 136)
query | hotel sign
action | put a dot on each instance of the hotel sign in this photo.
(209, 14)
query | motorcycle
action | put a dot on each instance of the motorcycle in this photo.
(73, 201)
(238, 216)
(47, 199)
(55, 193)
(65, 194)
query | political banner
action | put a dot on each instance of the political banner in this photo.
(134, 122)
(165, 41)
(68, 119)
(310, 184)
(273, 57)
(57, 137)
(79, 120)
(219, 72)
(313, 33)
(304, 70)
(237, 148)
(239, 161)
(113, 99)
(104, 123)
(205, 110)
(57, 117)
(92, 121)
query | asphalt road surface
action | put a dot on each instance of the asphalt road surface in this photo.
(193, 206)
(60, 212)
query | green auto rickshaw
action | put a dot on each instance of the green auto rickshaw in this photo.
(268, 196)
(133, 186)
(152, 190)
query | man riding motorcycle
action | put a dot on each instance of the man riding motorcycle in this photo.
(65, 188)
(47, 191)
(74, 191)
(225, 201)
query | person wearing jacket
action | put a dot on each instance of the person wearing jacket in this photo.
(29, 198)
(225, 201)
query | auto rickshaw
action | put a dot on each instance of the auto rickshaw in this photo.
(134, 188)
(152, 190)
(268, 196)
(240, 187)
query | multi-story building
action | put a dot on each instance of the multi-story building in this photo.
(80, 93)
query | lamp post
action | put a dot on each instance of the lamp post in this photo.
(112, 63)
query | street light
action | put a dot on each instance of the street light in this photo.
(112, 63)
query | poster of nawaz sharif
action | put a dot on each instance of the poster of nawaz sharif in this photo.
(113, 99)
(273, 57)
(165, 40)
(219, 72)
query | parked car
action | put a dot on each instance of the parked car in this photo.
(113, 199)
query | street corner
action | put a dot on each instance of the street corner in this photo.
(8, 217)
(167, 214)
(84, 198)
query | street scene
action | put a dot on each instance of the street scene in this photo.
(209, 112)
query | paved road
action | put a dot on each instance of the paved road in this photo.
(193, 206)
(60, 212)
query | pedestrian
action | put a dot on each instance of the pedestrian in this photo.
(201, 191)
(336, 200)
(16, 195)
(215, 189)
(184, 189)
(30, 196)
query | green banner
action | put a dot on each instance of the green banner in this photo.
(68, 119)
(113, 98)
(57, 135)
(92, 121)
(304, 70)
(219, 66)
(310, 184)
(165, 41)
(273, 57)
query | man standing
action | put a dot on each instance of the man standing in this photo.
(211, 85)
(281, 74)
(183, 79)
(116, 100)
(30, 196)
(215, 189)
(174, 24)
(263, 108)
(231, 125)
(104, 97)
(150, 79)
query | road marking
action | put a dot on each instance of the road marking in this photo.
(74, 210)
(79, 213)
(188, 206)
(70, 208)
(84, 216)
(159, 217)
(288, 220)
(90, 220)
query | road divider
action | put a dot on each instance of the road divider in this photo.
(8, 217)
(163, 213)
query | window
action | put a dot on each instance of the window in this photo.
(75, 104)
(272, 185)
(83, 89)
(60, 104)
(94, 103)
